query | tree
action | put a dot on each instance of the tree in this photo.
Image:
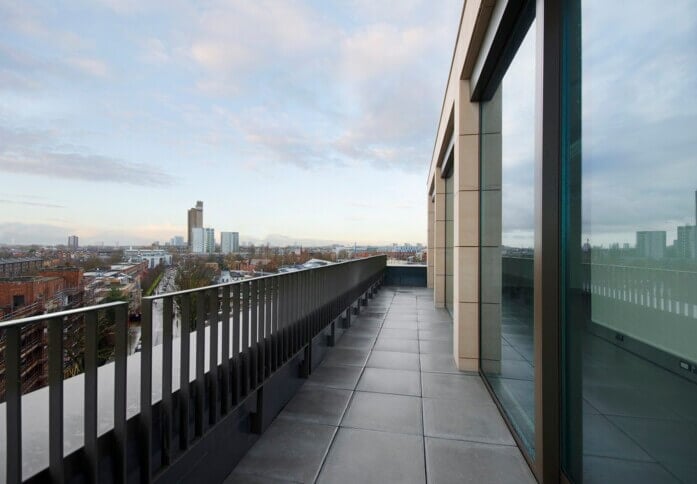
(192, 273)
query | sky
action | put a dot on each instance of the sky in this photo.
(309, 121)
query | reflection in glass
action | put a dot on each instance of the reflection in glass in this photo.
(630, 260)
(507, 239)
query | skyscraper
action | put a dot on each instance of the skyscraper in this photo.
(72, 241)
(651, 244)
(195, 220)
(202, 240)
(229, 242)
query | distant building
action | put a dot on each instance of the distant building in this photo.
(195, 220)
(202, 240)
(20, 266)
(153, 257)
(177, 241)
(651, 244)
(229, 242)
(686, 244)
(73, 242)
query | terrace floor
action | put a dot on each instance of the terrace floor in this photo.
(388, 405)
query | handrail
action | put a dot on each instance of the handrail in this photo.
(257, 325)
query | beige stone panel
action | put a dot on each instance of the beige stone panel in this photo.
(491, 275)
(467, 364)
(490, 348)
(439, 240)
(467, 268)
(467, 219)
(466, 330)
(440, 185)
(440, 207)
(439, 291)
(467, 162)
(467, 119)
(491, 218)
(439, 261)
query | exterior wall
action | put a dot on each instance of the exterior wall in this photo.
(31, 288)
(431, 240)
(466, 245)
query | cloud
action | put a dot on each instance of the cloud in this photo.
(30, 204)
(89, 66)
(36, 153)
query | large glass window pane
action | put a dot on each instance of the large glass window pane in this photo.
(507, 240)
(630, 257)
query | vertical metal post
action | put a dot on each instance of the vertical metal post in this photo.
(13, 405)
(55, 399)
(200, 385)
(120, 386)
(145, 419)
(225, 356)
(213, 356)
(166, 406)
(91, 402)
(185, 351)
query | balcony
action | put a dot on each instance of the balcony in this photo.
(328, 375)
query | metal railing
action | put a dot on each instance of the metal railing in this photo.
(248, 329)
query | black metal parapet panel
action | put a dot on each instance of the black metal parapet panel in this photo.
(259, 338)
(406, 275)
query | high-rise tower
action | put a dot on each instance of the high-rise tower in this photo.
(195, 220)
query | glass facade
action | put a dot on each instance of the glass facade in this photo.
(629, 225)
(507, 239)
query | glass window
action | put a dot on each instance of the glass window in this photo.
(507, 240)
(630, 242)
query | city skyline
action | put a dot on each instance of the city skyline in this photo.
(319, 127)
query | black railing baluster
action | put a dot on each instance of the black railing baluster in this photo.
(200, 385)
(244, 360)
(254, 332)
(236, 343)
(91, 397)
(146, 391)
(13, 404)
(213, 360)
(184, 365)
(167, 408)
(55, 399)
(120, 386)
(225, 352)
(261, 372)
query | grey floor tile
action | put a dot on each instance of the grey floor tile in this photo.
(400, 324)
(346, 356)
(393, 360)
(450, 461)
(355, 341)
(345, 377)
(450, 419)
(440, 334)
(367, 457)
(237, 478)
(399, 333)
(318, 404)
(603, 439)
(438, 363)
(380, 411)
(600, 470)
(399, 382)
(466, 388)
(436, 347)
(362, 331)
(288, 450)
(401, 345)
(436, 325)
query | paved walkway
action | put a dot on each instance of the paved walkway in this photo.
(388, 405)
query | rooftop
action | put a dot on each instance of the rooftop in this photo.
(388, 405)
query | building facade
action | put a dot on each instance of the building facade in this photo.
(229, 242)
(554, 149)
(203, 240)
(73, 242)
(194, 220)
(154, 258)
